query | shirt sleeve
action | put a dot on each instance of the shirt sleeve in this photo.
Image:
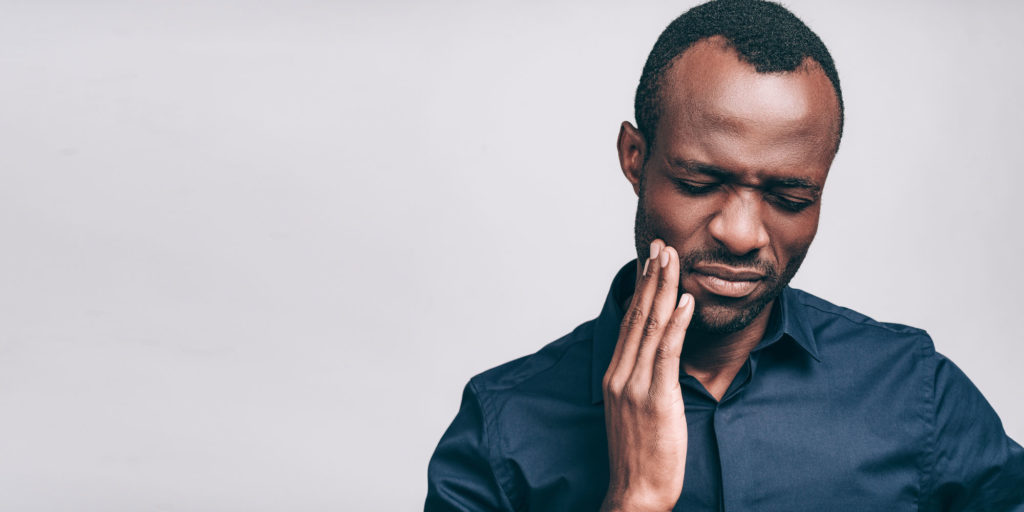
(460, 475)
(975, 465)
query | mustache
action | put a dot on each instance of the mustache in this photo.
(724, 257)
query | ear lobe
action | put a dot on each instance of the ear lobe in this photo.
(632, 150)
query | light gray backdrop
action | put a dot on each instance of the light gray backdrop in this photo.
(252, 251)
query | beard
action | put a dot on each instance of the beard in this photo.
(727, 315)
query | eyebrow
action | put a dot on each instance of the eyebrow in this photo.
(723, 174)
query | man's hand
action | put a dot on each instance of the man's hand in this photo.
(643, 403)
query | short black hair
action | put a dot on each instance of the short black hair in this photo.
(765, 34)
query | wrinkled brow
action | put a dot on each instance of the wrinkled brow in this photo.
(727, 175)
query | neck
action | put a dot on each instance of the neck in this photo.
(715, 359)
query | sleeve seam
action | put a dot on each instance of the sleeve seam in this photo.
(930, 413)
(489, 427)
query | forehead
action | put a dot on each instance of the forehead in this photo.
(714, 106)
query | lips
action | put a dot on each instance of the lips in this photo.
(727, 281)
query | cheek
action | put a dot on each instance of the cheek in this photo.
(792, 236)
(675, 217)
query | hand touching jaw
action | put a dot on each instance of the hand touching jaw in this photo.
(644, 414)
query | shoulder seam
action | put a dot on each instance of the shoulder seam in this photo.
(866, 321)
(519, 379)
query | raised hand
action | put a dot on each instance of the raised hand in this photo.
(643, 402)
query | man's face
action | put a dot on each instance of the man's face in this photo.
(734, 178)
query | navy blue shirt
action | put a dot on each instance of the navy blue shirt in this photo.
(831, 411)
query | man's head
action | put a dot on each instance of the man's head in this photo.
(740, 114)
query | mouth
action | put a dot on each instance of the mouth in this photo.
(727, 281)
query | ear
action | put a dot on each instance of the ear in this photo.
(632, 151)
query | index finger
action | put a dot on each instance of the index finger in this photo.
(666, 361)
(659, 316)
(635, 314)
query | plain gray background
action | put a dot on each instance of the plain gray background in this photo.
(252, 251)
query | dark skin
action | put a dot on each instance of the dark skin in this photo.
(729, 199)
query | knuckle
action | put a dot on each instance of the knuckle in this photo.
(636, 395)
(658, 406)
(613, 387)
(614, 394)
(664, 351)
(633, 317)
(651, 326)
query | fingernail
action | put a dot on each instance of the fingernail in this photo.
(665, 256)
(655, 249)
(646, 263)
(685, 300)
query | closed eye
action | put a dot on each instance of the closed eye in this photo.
(695, 188)
(787, 203)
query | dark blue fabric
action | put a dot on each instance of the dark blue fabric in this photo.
(832, 411)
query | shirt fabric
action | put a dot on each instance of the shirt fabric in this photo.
(831, 411)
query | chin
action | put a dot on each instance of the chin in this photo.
(719, 322)
(729, 318)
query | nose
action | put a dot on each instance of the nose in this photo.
(738, 225)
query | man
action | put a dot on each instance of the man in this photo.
(706, 383)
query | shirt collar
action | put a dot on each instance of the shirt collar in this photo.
(787, 321)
